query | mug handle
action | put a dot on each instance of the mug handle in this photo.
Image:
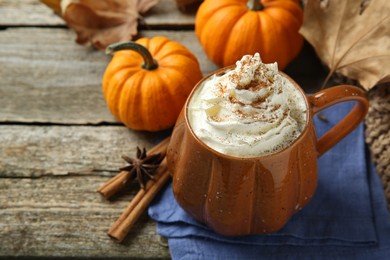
(334, 95)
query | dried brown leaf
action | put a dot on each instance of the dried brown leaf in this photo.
(351, 37)
(104, 22)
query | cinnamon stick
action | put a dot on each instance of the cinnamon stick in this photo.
(138, 205)
(116, 183)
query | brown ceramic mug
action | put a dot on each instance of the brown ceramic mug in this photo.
(239, 196)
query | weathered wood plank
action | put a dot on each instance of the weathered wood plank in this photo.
(46, 77)
(48, 200)
(34, 13)
(35, 151)
(60, 83)
(65, 217)
(27, 13)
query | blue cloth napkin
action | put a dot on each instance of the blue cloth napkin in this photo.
(347, 217)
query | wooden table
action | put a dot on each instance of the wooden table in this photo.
(59, 143)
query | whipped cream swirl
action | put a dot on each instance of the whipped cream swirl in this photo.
(249, 111)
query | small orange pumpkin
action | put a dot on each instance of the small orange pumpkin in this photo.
(230, 29)
(148, 81)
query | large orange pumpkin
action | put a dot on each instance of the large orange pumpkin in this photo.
(230, 29)
(147, 82)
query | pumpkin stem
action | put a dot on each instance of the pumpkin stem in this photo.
(149, 62)
(255, 5)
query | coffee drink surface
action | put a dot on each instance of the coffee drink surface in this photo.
(249, 111)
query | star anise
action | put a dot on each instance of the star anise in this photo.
(143, 165)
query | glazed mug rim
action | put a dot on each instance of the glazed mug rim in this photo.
(204, 145)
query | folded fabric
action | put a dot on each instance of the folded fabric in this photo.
(347, 217)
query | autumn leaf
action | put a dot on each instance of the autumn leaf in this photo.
(352, 37)
(102, 22)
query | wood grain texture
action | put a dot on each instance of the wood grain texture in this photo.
(35, 151)
(64, 217)
(27, 13)
(61, 82)
(48, 200)
(34, 13)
